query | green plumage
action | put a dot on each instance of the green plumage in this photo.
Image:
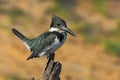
(40, 42)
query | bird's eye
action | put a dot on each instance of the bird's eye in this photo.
(58, 24)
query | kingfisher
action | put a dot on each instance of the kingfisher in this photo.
(49, 41)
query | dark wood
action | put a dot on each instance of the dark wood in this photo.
(52, 69)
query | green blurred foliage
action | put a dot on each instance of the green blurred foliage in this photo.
(1, 25)
(90, 32)
(100, 6)
(64, 8)
(14, 77)
(16, 14)
(58, 9)
(112, 47)
(3, 11)
(111, 41)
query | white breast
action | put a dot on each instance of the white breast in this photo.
(57, 44)
(53, 47)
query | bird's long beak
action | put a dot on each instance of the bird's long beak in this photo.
(69, 31)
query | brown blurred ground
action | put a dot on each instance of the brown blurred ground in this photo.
(82, 59)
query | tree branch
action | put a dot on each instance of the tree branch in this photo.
(52, 69)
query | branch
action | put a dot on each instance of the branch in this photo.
(52, 69)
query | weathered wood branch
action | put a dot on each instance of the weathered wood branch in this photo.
(52, 69)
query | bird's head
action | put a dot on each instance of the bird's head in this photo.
(60, 25)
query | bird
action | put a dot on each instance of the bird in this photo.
(47, 42)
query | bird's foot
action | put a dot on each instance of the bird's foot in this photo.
(51, 56)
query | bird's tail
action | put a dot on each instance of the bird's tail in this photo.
(18, 34)
(26, 41)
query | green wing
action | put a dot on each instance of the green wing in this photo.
(39, 43)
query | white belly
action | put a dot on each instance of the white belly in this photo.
(57, 43)
(53, 47)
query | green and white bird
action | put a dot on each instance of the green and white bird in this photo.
(49, 41)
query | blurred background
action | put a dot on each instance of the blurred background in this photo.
(93, 55)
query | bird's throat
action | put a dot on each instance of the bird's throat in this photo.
(52, 29)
